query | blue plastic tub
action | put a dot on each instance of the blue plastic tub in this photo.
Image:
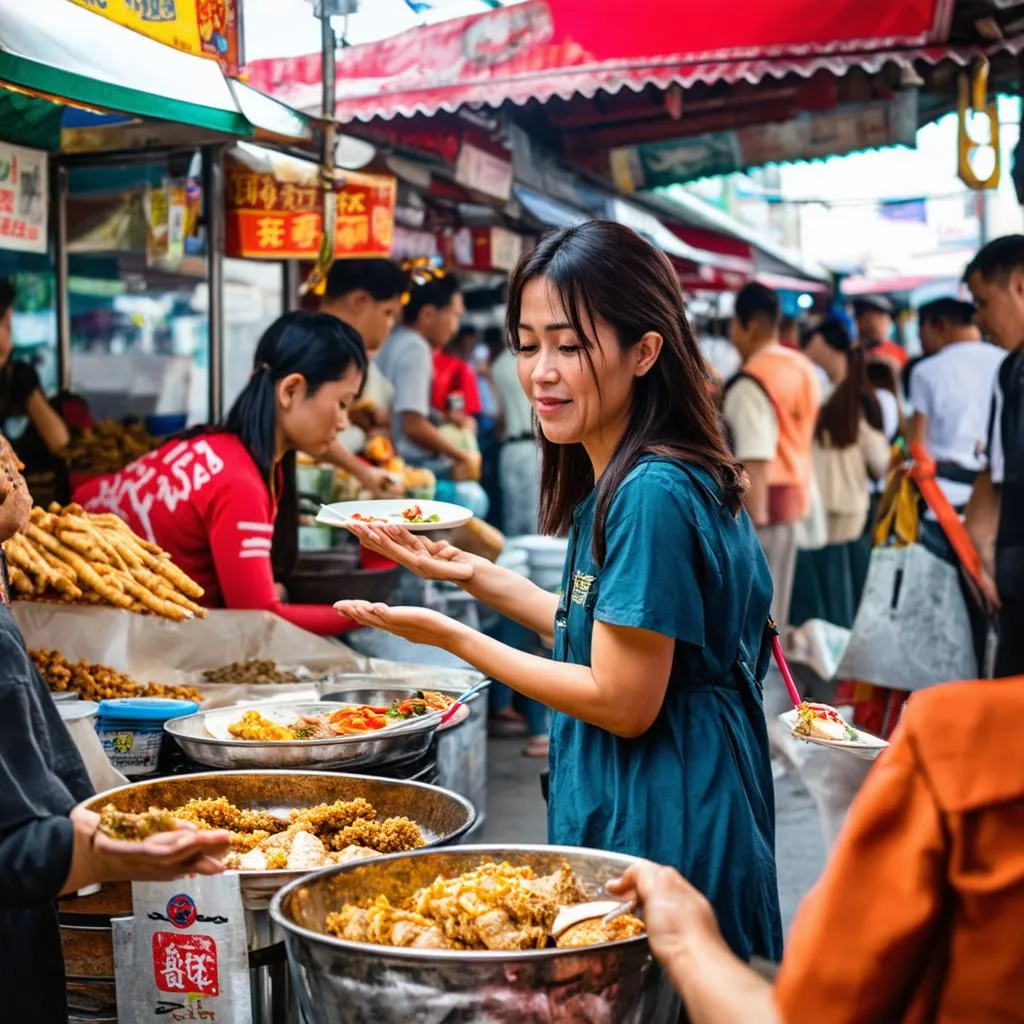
(131, 730)
(167, 424)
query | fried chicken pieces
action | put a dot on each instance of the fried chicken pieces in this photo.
(311, 838)
(497, 907)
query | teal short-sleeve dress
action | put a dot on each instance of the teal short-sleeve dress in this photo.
(695, 790)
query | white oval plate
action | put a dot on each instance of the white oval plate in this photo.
(391, 511)
(866, 746)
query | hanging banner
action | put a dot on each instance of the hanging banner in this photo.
(809, 137)
(184, 955)
(275, 220)
(23, 199)
(204, 28)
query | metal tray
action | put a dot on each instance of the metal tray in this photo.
(344, 982)
(393, 745)
(441, 815)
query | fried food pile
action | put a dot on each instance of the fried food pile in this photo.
(496, 907)
(69, 555)
(133, 828)
(312, 838)
(255, 672)
(108, 446)
(100, 682)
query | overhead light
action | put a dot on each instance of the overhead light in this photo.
(353, 154)
(805, 301)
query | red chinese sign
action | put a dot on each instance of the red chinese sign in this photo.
(185, 964)
(23, 199)
(277, 220)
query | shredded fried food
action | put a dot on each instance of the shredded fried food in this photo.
(497, 907)
(218, 812)
(393, 835)
(134, 828)
(329, 818)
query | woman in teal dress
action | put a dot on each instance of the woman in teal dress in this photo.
(661, 636)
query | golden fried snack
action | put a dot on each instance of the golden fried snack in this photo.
(133, 828)
(218, 812)
(393, 835)
(330, 818)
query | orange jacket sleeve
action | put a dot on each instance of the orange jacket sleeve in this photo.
(868, 930)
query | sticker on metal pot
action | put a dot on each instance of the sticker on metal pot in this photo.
(184, 955)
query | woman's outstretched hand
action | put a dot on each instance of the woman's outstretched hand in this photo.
(428, 559)
(417, 625)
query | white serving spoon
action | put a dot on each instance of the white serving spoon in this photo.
(607, 910)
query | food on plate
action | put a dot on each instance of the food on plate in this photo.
(253, 726)
(495, 907)
(70, 555)
(414, 514)
(823, 722)
(135, 827)
(360, 518)
(307, 839)
(108, 446)
(347, 720)
(255, 672)
(100, 682)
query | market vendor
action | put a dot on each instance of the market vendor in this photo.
(212, 498)
(46, 848)
(367, 295)
(661, 638)
(918, 914)
(44, 434)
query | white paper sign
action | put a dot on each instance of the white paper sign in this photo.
(477, 169)
(23, 199)
(184, 955)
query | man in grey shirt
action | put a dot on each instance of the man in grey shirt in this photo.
(431, 318)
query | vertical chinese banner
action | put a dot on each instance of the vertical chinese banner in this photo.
(204, 28)
(23, 199)
(184, 955)
(278, 220)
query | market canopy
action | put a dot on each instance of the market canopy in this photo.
(61, 52)
(547, 48)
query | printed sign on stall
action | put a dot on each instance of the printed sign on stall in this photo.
(184, 955)
(278, 220)
(23, 199)
(204, 28)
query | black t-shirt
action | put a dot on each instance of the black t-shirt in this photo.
(18, 382)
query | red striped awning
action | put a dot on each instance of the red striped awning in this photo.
(560, 48)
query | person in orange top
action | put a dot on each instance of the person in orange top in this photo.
(771, 410)
(918, 916)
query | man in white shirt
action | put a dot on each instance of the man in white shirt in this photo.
(951, 394)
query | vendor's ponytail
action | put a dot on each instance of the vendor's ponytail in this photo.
(322, 349)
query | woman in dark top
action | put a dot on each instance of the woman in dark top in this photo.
(661, 639)
(21, 397)
(46, 848)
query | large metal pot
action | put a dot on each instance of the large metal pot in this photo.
(85, 921)
(343, 982)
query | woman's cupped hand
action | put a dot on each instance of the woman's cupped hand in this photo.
(163, 857)
(417, 625)
(428, 559)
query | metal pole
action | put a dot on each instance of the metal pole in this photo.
(329, 46)
(291, 281)
(213, 195)
(59, 209)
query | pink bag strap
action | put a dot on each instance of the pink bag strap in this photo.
(783, 665)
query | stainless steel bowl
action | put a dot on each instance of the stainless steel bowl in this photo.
(393, 745)
(355, 983)
(442, 816)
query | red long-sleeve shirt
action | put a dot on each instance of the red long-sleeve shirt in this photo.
(204, 502)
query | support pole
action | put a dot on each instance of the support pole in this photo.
(59, 210)
(213, 196)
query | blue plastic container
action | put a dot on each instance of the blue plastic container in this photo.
(166, 424)
(131, 730)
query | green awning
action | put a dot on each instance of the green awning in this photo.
(27, 121)
(70, 54)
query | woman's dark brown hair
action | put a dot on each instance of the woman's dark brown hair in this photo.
(606, 273)
(854, 397)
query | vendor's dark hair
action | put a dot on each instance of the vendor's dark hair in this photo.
(605, 272)
(996, 260)
(952, 311)
(757, 300)
(381, 279)
(322, 349)
(437, 292)
(854, 397)
(6, 295)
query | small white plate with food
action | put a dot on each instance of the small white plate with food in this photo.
(822, 725)
(416, 516)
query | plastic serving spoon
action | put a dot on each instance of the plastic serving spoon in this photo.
(607, 910)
